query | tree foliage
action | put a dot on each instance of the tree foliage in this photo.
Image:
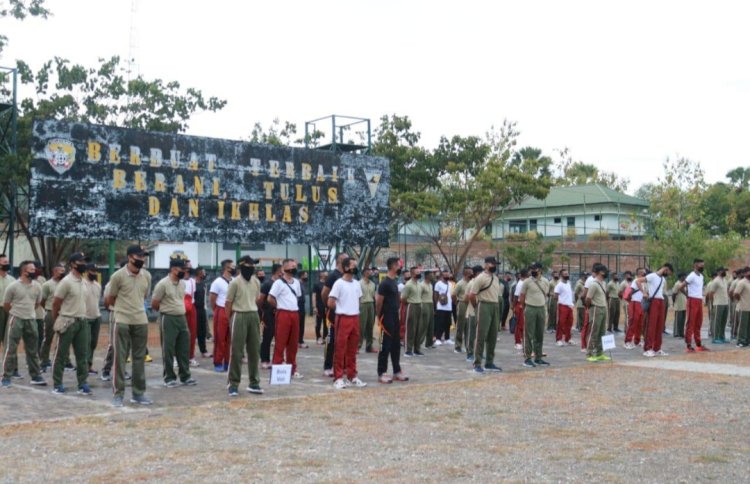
(532, 249)
(19, 10)
(570, 172)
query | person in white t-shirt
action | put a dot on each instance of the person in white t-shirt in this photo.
(444, 313)
(635, 313)
(518, 309)
(344, 298)
(284, 296)
(565, 306)
(656, 312)
(694, 283)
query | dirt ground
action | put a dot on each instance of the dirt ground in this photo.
(574, 421)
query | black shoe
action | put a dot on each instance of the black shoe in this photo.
(418, 353)
(528, 363)
(541, 362)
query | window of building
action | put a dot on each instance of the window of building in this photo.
(532, 225)
(558, 220)
(517, 226)
(571, 221)
(597, 218)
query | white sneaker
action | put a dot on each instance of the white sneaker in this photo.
(437, 343)
(662, 353)
(640, 344)
(328, 373)
(583, 350)
(449, 341)
(339, 384)
(358, 383)
(518, 347)
(560, 343)
(649, 354)
(572, 342)
(297, 375)
(194, 363)
(628, 346)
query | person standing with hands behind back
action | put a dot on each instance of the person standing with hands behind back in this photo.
(344, 298)
(387, 308)
(283, 296)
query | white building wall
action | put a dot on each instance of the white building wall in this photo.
(208, 254)
(584, 225)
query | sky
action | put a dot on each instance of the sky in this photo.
(622, 85)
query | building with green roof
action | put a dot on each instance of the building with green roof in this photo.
(576, 211)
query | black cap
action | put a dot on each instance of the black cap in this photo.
(246, 260)
(490, 260)
(136, 250)
(536, 265)
(77, 256)
(92, 267)
(176, 262)
(477, 269)
(601, 268)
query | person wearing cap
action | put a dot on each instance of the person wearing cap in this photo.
(283, 296)
(128, 288)
(92, 291)
(69, 314)
(655, 328)
(218, 297)
(366, 311)
(718, 294)
(5, 280)
(459, 294)
(694, 284)
(242, 309)
(483, 295)
(471, 316)
(169, 300)
(596, 302)
(427, 324)
(20, 301)
(412, 295)
(344, 299)
(48, 297)
(534, 302)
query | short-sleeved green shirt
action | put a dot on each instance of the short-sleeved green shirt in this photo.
(718, 286)
(412, 293)
(459, 290)
(535, 291)
(130, 291)
(92, 293)
(23, 299)
(597, 294)
(489, 285)
(70, 290)
(48, 293)
(368, 291)
(243, 293)
(171, 296)
(613, 290)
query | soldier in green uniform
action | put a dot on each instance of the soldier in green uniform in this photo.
(366, 311)
(613, 303)
(628, 280)
(552, 304)
(483, 295)
(244, 322)
(718, 293)
(48, 297)
(5, 280)
(578, 294)
(459, 296)
(412, 296)
(169, 300)
(534, 303)
(596, 301)
(69, 314)
(20, 301)
(427, 326)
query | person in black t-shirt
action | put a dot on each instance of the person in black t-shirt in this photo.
(200, 310)
(334, 276)
(387, 305)
(267, 317)
(319, 307)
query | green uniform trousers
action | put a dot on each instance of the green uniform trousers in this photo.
(3, 323)
(743, 333)
(413, 322)
(47, 337)
(77, 334)
(614, 315)
(678, 330)
(533, 330)
(130, 338)
(366, 323)
(581, 313)
(551, 314)
(245, 332)
(461, 325)
(175, 344)
(18, 329)
(94, 325)
(471, 335)
(488, 320)
(427, 326)
(596, 330)
(719, 322)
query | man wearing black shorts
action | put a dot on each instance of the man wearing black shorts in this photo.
(387, 303)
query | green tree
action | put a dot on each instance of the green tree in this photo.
(532, 249)
(19, 10)
(739, 177)
(571, 172)
(101, 95)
